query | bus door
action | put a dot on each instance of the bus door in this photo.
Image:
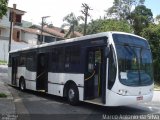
(14, 70)
(42, 72)
(94, 81)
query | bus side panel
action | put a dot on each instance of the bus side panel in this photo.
(30, 78)
(56, 82)
(20, 72)
(31, 85)
(30, 70)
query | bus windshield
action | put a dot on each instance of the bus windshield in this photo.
(135, 63)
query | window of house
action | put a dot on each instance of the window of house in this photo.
(18, 34)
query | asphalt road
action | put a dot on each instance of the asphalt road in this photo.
(39, 106)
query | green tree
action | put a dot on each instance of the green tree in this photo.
(80, 28)
(121, 9)
(3, 8)
(152, 34)
(72, 21)
(140, 18)
(157, 18)
(102, 25)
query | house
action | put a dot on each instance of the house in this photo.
(33, 36)
(57, 32)
(24, 34)
(5, 26)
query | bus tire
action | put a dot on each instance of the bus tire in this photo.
(73, 94)
(22, 84)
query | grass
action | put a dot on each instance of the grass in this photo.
(3, 62)
(2, 95)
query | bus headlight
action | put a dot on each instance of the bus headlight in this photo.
(122, 92)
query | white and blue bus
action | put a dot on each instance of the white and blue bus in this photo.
(108, 69)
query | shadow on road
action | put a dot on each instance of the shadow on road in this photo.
(96, 109)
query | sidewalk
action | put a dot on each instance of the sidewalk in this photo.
(6, 104)
(156, 96)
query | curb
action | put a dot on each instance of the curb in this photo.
(6, 103)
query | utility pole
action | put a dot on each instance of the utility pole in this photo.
(86, 14)
(44, 17)
(12, 20)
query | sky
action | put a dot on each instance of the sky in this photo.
(58, 9)
(154, 5)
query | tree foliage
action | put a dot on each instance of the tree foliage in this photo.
(102, 25)
(152, 34)
(157, 18)
(140, 18)
(121, 9)
(72, 21)
(3, 8)
(131, 16)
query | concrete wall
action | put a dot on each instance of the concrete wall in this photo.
(4, 37)
(5, 20)
(4, 50)
(5, 32)
(19, 45)
(29, 38)
(14, 46)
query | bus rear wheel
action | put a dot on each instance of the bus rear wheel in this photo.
(73, 95)
(22, 85)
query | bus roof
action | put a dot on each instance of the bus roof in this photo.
(74, 39)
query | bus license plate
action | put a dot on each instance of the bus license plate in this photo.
(139, 98)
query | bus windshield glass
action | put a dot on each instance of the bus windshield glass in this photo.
(134, 60)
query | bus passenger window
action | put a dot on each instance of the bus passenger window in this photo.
(30, 62)
(67, 58)
(54, 60)
(72, 58)
(21, 61)
(91, 61)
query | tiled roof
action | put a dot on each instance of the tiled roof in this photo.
(55, 31)
(35, 31)
(78, 34)
(17, 10)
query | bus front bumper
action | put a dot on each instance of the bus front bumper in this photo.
(114, 99)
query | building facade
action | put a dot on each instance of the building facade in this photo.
(5, 26)
(24, 34)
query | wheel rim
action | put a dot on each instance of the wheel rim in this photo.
(71, 94)
(22, 85)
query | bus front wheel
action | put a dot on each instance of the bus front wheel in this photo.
(73, 95)
(22, 85)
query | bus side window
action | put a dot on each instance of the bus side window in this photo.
(67, 59)
(54, 60)
(72, 59)
(21, 61)
(75, 58)
(91, 63)
(60, 59)
(30, 62)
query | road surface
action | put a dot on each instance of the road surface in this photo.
(33, 105)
